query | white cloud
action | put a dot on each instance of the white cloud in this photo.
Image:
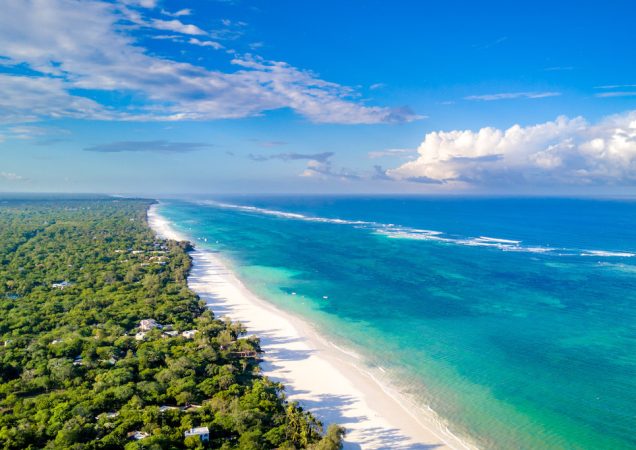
(324, 170)
(558, 68)
(616, 86)
(142, 3)
(27, 132)
(616, 94)
(27, 98)
(180, 13)
(176, 26)
(86, 45)
(10, 176)
(624, 90)
(511, 95)
(212, 44)
(561, 152)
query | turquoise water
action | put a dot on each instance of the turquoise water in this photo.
(514, 319)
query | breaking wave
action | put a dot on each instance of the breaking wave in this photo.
(399, 232)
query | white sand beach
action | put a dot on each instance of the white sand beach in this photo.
(315, 373)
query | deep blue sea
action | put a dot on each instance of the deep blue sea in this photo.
(513, 319)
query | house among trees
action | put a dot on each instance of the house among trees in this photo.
(171, 333)
(138, 435)
(148, 324)
(164, 408)
(190, 408)
(202, 433)
(61, 285)
(189, 334)
(140, 336)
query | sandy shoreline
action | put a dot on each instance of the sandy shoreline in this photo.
(315, 373)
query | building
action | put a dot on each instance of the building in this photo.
(140, 336)
(61, 285)
(148, 324)
(189, 334)
(190, 408)
(202, 433)
(138, 435)
(164, 408)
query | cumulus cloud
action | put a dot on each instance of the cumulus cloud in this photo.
(73, 47)
(511, 96)
(318, 157)
(147, 146)
(560, 152)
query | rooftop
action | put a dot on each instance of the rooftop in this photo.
(197, 431)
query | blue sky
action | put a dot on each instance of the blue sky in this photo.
(240, 96)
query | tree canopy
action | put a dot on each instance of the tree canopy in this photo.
(77, 277)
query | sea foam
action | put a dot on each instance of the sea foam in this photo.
(401, 232)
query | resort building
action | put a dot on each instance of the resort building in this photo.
(148, 324)
(202, 433)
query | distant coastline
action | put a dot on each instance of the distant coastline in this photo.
(314, 372)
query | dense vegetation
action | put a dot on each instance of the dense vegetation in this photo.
(76, 279)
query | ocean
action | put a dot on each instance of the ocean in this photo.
(513, 319)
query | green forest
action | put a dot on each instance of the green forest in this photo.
(103, 345)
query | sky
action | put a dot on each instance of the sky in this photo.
(348, 97)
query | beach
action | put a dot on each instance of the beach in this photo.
(322, 378)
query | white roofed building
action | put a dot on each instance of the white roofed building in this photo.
(189, 334)
(202, 433)
(148, 324)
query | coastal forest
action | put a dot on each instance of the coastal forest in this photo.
(104, 346)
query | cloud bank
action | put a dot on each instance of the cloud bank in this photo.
(70, 49)
(560, 152)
